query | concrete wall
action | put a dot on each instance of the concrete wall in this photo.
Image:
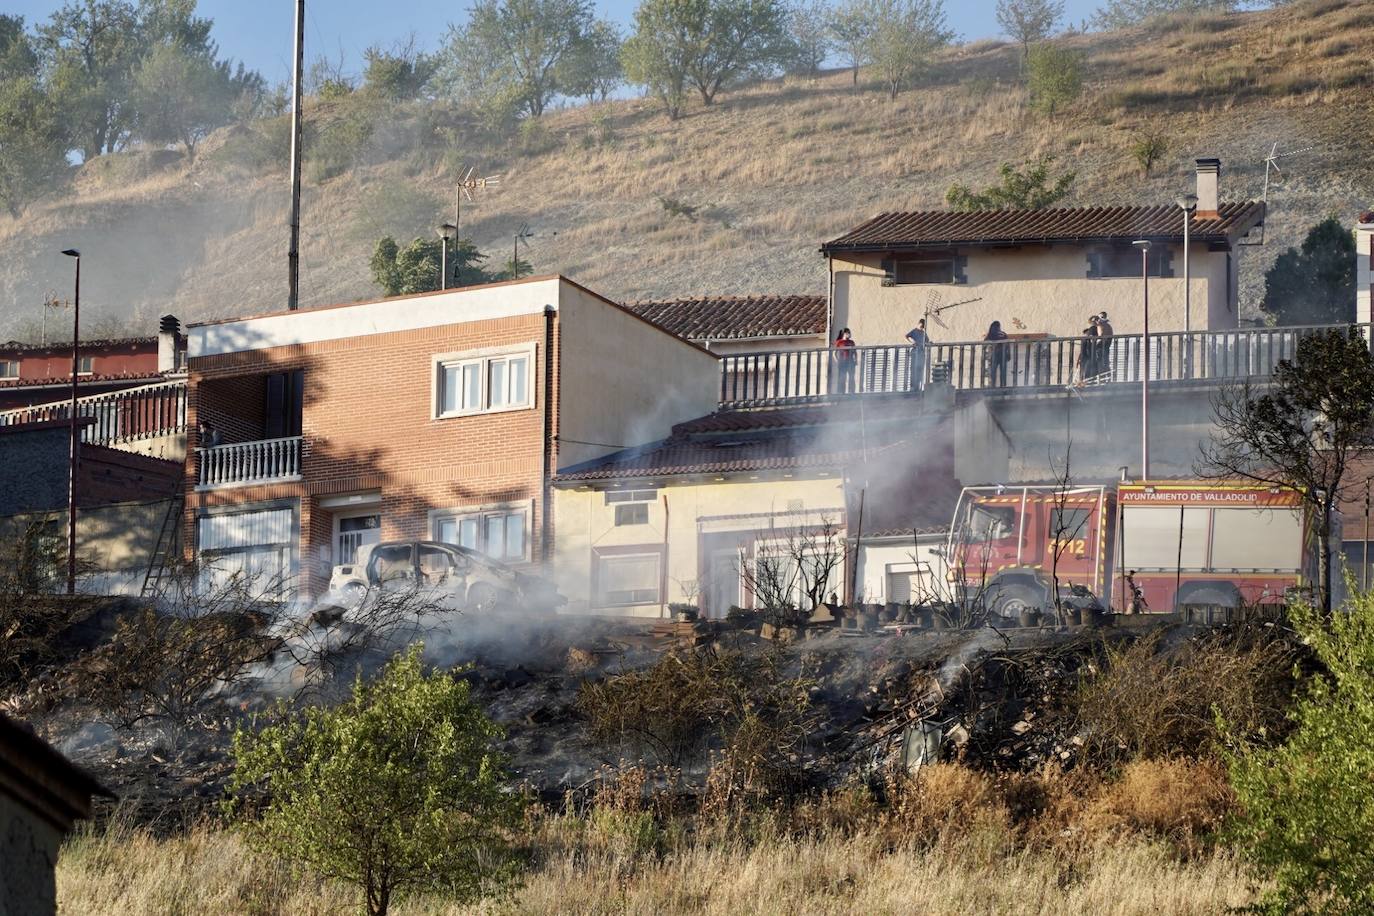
(880, 561)
(1046, 288)
(622, 381)
(33, 468)
(717, 514)
(28, 858)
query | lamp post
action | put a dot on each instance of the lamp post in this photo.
(447, 232)
(72, 444)
(1187, 203)
(1144, 246)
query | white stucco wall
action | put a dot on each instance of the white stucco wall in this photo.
(879, 563)
(622, 381)
(1045, 287)
(585, 523)
(1364, 272)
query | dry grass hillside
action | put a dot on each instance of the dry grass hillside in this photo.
(772, 171)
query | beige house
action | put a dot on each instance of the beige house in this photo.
(1364, 267)
(1040, 272)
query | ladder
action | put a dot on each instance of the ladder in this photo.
(165, 551)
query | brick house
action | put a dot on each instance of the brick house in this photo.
(440, 416)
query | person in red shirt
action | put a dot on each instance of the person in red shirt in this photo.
(845, 362)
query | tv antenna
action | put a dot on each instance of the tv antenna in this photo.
(466, 185)
(1271, 166)
(51, 304)
(935, 305)
(523, 233)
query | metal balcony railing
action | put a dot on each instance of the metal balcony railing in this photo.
(802, 376)
(120, 416)
(242, 463)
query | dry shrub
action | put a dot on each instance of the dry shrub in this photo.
(1147, 700)
(1181, 801)
(942, 802)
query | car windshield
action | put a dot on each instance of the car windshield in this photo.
(391, 562)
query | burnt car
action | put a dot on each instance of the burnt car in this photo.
(460, 577)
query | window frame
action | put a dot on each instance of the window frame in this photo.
(484, 359)
(480, 514)
(601, 555)
(86, 361)
(631, 513)
(5, 373)
(641, 495)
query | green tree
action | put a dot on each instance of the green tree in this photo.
(1120, 14)
(1314, 285)
(906, 33)
(1029, 21)
(808, 29)
(593, 69)
(396, 790)
(90, 50)
(416, 267)
(1307, 807)
(17, 56)
(1054, 77)
(851, 25)
(398, 73)
(1302, 432)
(518, 49)
(33, 143)
(1147, 150)
(706, 44)
(1027, 188)
(180, 97)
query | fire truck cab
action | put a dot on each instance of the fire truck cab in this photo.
(1179, 542)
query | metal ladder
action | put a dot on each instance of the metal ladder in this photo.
(168, 543)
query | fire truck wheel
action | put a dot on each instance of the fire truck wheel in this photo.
(1015, 599)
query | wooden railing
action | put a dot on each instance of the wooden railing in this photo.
(119, 416)
(240, 463)
(801, 376)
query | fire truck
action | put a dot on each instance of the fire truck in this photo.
(1147, 547)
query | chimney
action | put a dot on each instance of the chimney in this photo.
(168, 344)
(1364, 267)
(1208, 179)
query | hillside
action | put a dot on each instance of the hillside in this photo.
(772, 170)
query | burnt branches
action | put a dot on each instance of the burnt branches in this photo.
(1302, 431)
(792, 572)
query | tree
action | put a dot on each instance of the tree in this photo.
(593, 70)
(518, 48)
(415, 268)
(1029, 21)
(17, 56)
(905, 35)
(1147, 150)
(1317, 284)
(808, 28)
(1027, 188)
(180, 97)
(706, 44)
(398, 73)
(851, 25)
(1054, 77)
(89, 51)
(1120, 14)
(1305, 816)
(33, 143)
(1302, 432)
(397, 789)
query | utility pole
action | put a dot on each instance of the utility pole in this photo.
(73, 454)
(293, 255)
(1187, 203)
(1144, 246)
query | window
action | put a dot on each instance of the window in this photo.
(632, 514)
(1125, 262)
(483, 384)
(9, 368)
(498, 533)
(923, 270)
(352, 532)
(252, 550)
(85, 365)
(631, 496)
(627, 579)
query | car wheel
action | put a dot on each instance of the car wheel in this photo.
(481, 597)
(353, 592)
(1014, 600)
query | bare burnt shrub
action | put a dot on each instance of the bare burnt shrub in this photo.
(746, 706)
(1146, 699)
(32, 616)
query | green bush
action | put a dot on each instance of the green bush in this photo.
(398, 789)
(1307, 806)
(1054, 77)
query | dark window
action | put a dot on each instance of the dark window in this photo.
(923, 270)
(631, 496)
(632, 514)
(285, 395)
(1125, 262)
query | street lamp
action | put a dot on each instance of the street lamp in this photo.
(447, 233)
(72, 444)
(1187, 203)
(1144, 246)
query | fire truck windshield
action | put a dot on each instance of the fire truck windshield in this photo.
(989, 523)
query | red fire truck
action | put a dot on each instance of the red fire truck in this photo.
(1181, 542)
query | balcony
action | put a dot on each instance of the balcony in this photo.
(120, 417)
(806, 376)
(241, 464)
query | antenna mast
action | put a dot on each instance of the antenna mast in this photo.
(293, 254)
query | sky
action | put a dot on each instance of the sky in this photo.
(258, 32)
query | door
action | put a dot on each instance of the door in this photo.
(724, 585)
(354, 531)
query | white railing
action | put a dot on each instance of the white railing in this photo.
(240, 463)
(117, 416)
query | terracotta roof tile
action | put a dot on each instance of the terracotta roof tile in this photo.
(1068, 224)
(735, 317)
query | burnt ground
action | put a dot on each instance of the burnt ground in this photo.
(997, 698)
